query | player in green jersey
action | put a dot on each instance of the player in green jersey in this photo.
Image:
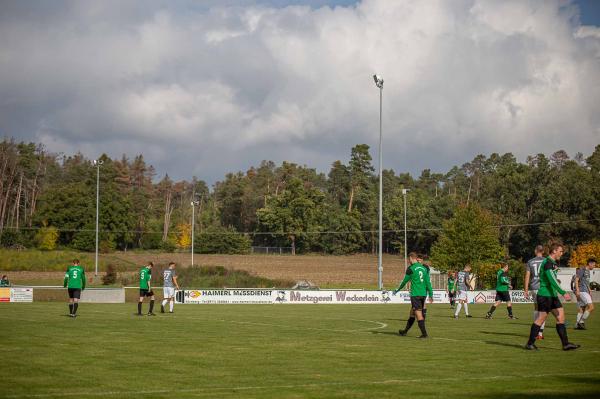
(74, 282)
(420, 287)
(422, 259)
(502, 294)
(451, 287)
(548, 302)
(146, 289)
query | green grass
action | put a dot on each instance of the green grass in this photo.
(47, 261)
(287, 351)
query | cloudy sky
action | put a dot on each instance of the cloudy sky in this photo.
(209, 87)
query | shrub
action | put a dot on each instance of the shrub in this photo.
(12, 238)
(220, 240)
(111, 275)
(585, 251)
(106, 246)
(219, 277)
(84, 241)
(46, 238)
(167, 246)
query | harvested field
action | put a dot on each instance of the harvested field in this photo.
(353, 271)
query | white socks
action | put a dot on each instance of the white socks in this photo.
(164, 302)
(535, 316)
(458, 306)
(586, 314)
(171, 303)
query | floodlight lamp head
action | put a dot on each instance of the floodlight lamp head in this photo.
(98, 162)
(378, 81)
(405, 191)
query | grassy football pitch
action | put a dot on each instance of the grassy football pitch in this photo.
(287, 351)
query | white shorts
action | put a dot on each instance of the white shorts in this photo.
(584, 299)
(461, 296)
(168, 292)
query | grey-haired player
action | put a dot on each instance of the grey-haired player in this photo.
(169, 285)
(463, 282)
(532, 283)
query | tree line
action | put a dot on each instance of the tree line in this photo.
(49, 200)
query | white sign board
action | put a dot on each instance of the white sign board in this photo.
(21, 294)
(310, 297)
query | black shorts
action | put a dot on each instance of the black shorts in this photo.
(548, 304)
(417, 302)
(74, 293)
(146, 293)
(503, 296)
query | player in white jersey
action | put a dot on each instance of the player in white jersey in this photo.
(532, 283)
(463, 282)
(583, 293)
(170, 278)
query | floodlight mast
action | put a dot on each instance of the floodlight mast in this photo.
(97, 164)
(194, 204)
(379, 83)
(404, 194)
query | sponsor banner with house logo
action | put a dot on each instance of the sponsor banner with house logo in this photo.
(517, 296)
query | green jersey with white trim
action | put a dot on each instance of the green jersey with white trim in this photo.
(549, 286)
(420, 284)
(502, 281)
(451, 284)
(75, 278)
(145, 275)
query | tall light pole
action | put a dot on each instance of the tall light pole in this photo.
(97, 164)
(379, 84)
(194, 204)
(404, 193)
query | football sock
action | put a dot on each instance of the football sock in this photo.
(492, 309)
(562, 333)
(409, 323)
(164, 302)
(70, 308)
(509, 310)
(586, 314)
(466, 308)
(151, 306)
(75, 306)
(457, 309)
(579, 317)
(421, 324)
(535, 329)
(542, 327)
(139, 307)
(171, 303)
(424, 313)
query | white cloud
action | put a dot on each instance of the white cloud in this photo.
(223, 88)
